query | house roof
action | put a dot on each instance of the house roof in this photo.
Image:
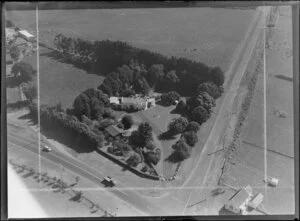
(239, 197)
(113, 130)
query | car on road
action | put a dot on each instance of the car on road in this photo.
(46, 148)
(110, 181)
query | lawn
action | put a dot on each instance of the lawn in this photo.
(208, 35)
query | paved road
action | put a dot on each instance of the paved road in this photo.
(204, 163)
(95, 176)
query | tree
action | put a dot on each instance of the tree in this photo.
(145, 131)
(150, 146)
(203, 99)
(25, 70)
(9, 24)
(133, 160)
(171, 79)
(211, 88)
(182, 150)
(136, 139)
(190, 137)
(155, 74)
(193, 126)
(81, 106)
(15, 53)
(30, 90)
(141, 86)
(153, 157)
(170, 98)
(127, 121)
(199, 114)
(177, 125)
(217, 76)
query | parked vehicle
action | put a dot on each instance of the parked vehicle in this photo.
(46, 148)
(110, 181)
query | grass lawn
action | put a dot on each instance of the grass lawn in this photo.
(209, 35)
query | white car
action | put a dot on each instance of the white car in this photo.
(46, 148)
(110, 180)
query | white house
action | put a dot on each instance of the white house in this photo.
(145, 102)
(26, 35)
(238, 203)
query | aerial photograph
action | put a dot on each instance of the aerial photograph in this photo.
(149, 111)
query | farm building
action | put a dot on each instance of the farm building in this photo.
(26, 35)
(145, 102)
(256, 200)
(239, 201)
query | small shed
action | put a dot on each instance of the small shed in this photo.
(26, 35)
(256, 200)
(113, 130)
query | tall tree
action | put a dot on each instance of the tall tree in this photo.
(217, 76)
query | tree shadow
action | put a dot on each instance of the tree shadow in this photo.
(67, 59)
(33, 120)
(166, 136)
(282, 77)
(75, 198)
(174, 157)
(17, 105)
(57, 134)
(224, 212)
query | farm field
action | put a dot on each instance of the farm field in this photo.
(60, 82)
(250, 163)
(180, 32)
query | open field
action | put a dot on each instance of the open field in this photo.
(180, 32)
(250, 166)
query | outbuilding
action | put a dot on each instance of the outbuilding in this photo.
(26, 35)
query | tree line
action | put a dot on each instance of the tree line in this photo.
(104, 57)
